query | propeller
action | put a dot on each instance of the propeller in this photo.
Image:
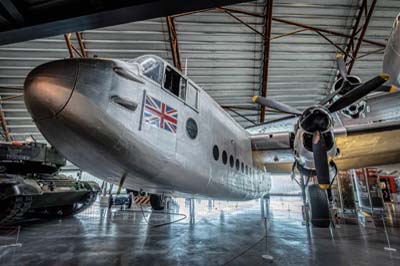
(358, 92)
(284, 108)
(320, 160)
(387, 88)
(341, 65)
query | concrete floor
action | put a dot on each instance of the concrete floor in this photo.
(220, 234)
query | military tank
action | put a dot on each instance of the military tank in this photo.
(30, 183)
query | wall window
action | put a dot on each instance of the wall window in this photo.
(242, 167)
(216, 152)
(224, 157)
(237, 164)
(247, 170)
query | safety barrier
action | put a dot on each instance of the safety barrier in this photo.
(142, 200)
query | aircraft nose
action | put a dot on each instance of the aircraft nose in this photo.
(48, 88)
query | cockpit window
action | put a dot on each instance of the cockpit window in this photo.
(172, 81)
(175, 83)
(152, 67)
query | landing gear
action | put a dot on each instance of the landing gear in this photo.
(319, 207)
(157, 202)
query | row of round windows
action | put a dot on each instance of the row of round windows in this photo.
(240, 166)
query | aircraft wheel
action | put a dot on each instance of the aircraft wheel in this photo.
(319, 208)
(157, 202)
(130, 200)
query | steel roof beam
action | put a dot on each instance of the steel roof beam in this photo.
(6, 132)
(173, 40)
(82, 47)
(362, 35)
(93, 18)
(71, 48)
(12, 10)
(350, 45)
(247, 108)
(241, 21)
(267, 45)
(331, 42)
(240, 115)
(301, 25)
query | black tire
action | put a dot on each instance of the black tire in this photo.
(130, 200)
(319, 208)
(156, 202)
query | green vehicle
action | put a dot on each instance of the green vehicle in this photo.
(30, 183)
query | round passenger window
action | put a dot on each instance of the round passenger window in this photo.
(237, 164)
(216, 152)
(242, 167)
(224, 157)
(231, 161)
(191, 128)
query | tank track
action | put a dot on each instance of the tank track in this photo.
(77, 207)
(90, 199)
(18, 206)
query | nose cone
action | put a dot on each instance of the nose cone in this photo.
(48, 88)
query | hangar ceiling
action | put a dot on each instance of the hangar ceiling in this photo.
(224, 51)
(22, 20)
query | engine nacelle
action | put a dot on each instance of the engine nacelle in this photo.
(357, 109)
(313, 119)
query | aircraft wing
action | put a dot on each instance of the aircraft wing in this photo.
(363, 145)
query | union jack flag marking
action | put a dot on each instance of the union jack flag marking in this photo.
(161, 115)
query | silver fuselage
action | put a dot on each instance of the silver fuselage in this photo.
(391, 60)
(76, 105)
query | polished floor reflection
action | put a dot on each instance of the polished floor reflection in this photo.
(214, 233)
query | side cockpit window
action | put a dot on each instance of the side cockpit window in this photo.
(175, 83)
(172, 81)
(152, 67)
(192, 95)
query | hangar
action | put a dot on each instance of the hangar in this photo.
(199, 132)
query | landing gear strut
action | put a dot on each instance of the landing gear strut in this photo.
(157, 202)
(319, 207)
(315, 202)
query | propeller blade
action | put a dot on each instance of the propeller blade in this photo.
(330, 96)
(3, 99)
(387, 88)
(341, 65)
(358, 92)
(321, 160)
(284, 108)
